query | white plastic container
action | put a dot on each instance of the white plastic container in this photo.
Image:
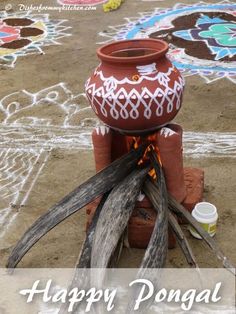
(206, 214)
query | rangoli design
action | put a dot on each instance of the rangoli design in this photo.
(31, 125)
(202, 36)
(26, 33)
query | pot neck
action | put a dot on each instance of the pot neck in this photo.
(126, 65)
(133, 52)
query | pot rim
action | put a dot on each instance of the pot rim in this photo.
(159, 45)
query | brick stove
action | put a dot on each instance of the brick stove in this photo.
(184, 184)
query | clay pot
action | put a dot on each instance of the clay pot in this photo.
(135, 89)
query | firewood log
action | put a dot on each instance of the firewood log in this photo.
(114, 217)
(97, 185)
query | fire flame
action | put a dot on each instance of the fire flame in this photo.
(135, 142)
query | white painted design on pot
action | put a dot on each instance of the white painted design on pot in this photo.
(112, 81)
(147, 69)
(163, 78)
(112, 105)
(120, 104)
(110, 84)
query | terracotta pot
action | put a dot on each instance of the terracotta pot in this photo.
(135, 89)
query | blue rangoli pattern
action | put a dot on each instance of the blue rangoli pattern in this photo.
(215, 28)
(220, 35)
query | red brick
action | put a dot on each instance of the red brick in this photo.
(140, 227)
(194, 182)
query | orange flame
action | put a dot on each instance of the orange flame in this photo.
(135, 142)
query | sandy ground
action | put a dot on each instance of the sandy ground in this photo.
(206, 108)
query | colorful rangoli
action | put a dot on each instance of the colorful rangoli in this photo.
(25, 33)
(202, 36)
